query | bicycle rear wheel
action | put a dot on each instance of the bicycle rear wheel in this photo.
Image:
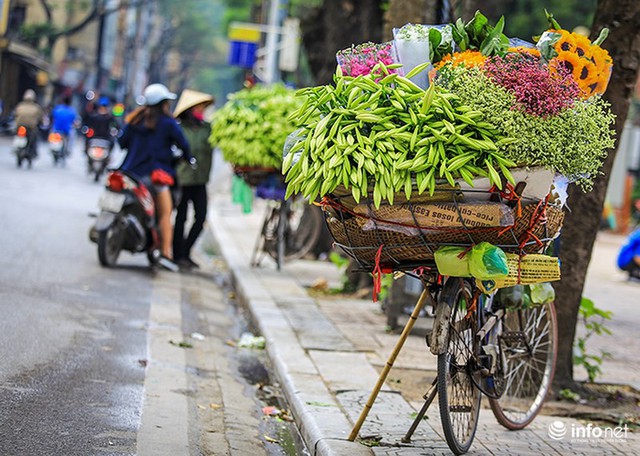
(528, 342)
(300, 232)
(458, 397)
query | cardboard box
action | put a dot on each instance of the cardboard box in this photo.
(439, 215)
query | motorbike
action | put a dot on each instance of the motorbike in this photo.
(127, 221)
(57, 146)
(98, 156)
(22, 146)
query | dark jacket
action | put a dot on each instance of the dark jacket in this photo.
(197, 133)
(148, 149)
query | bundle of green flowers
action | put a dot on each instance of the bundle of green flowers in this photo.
(490, 107)
(251, 128)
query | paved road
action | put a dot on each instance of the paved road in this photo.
(90, 362)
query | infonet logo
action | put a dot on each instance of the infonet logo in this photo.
(589, 433)
(557, 430)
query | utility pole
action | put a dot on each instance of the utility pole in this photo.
(272, 74)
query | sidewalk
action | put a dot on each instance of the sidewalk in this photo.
(327, 353)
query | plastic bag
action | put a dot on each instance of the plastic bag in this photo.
(542, 293)
(512, 296)
(450, 263)
(488, 262)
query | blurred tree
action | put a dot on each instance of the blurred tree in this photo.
(44, 36)
(581, 225)
(526, 18)
(336, 25)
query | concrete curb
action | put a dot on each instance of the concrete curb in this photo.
(322, 421)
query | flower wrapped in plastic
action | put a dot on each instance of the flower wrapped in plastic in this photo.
(589, 64)
(361, 59)
(417, 44)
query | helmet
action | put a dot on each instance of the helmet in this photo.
(29, 95)
(103, 101)
(156, 93)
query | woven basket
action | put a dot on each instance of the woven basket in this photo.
(255, 175)
(401, 251)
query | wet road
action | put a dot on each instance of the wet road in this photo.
(90, 358)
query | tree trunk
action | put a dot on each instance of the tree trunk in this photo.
(337, 25)
(581, 225)
(402, 12)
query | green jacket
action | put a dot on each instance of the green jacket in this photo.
(198, 137)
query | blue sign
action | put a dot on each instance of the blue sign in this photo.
(242, 53)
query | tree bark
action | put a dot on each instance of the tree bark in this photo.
(335, 26)
(581, 225)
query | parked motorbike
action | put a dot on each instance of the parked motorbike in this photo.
(7, 126)
(22, 146)
(127, 221)
(58, 146)
(98, 156)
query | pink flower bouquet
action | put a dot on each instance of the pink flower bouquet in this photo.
(360, 60)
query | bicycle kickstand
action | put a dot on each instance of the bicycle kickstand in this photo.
(428, 397)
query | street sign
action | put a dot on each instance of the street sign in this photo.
(290, 52)
(4, 16)
(242, 53)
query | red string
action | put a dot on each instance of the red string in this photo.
(538, 217)
(377, 275)
(509, 194)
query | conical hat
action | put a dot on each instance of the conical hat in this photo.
(190, 98)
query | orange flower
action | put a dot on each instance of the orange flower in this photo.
(525, 50)
(601, 59)
(566, 42)
(571, 62)
(468, 59)
(589, 72)
(583, 46)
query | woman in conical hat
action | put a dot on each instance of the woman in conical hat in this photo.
(190, 113)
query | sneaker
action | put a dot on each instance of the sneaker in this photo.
(168, 264)
(184, 264)
(192, 263)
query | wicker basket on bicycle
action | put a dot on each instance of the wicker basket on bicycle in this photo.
(405, 235)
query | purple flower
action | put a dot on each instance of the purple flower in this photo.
(539, 90)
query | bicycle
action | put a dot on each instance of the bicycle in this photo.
(290, 230)
(483, 346)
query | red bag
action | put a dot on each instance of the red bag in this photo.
(161, 177)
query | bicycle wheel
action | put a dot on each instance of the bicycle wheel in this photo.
(300, 232)
(458, 397)
(528, 342)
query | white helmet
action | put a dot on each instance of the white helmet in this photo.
(156, 93)
(29, 95)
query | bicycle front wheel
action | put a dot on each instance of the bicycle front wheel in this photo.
(528, 342)
(458, 397)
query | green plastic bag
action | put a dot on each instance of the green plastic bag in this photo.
(511, 297)
(542, 293)
(488, 262)
(236, 189)
(247, 198)
(449, 262)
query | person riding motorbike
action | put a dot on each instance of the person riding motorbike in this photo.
(29, 114)
(148, 136)
(63, 117)
(629, 255)
(101, 124)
